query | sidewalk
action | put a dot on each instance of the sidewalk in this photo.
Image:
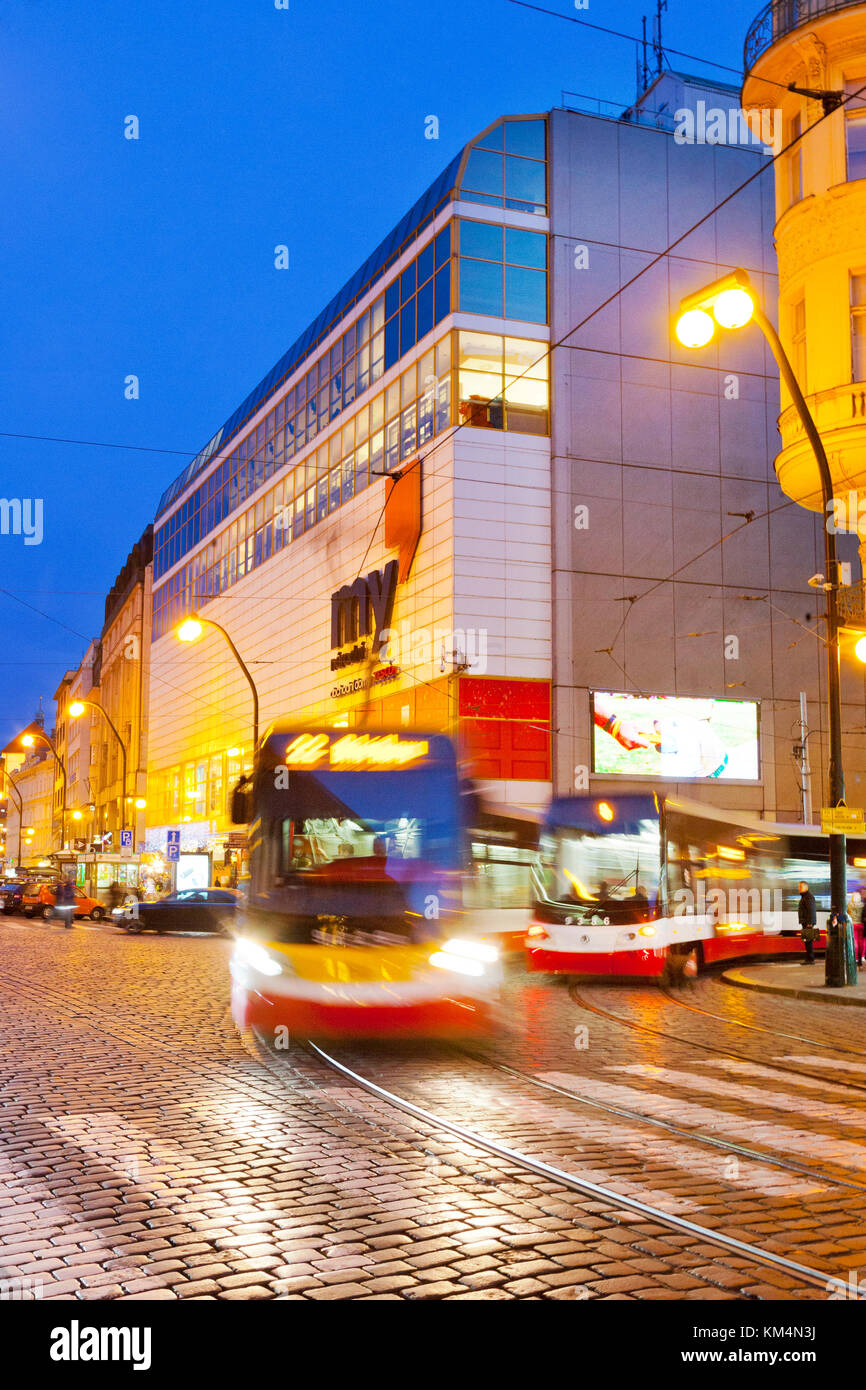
(796, 980)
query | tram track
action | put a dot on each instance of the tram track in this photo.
(340, 1119)
(759, 1028)
(693, 1135)
(636, 1026)
(598, 1191)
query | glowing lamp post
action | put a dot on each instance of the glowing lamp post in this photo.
(29, 741)
(75, 710)
(192, 628)
(731, 303)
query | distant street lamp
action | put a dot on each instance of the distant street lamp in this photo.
(76, 709)
(732, 302)
(190, 630)
(19, 803)
(29, 740)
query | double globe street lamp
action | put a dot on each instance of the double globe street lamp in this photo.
(731, 303)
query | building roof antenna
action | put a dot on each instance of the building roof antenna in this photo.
(661, 6)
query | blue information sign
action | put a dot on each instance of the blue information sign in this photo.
(126, 839)
(172, 852)
(173, 837)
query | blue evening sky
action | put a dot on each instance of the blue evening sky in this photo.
(155, 257)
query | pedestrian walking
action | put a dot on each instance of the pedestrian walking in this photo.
(855, 912)
(115, 896)
(807, 915)
(65, 901)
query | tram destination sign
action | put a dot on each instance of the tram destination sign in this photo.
(839, 820)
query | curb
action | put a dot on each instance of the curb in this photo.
(821, 996)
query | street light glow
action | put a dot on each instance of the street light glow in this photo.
(733, 308)
(860, 650)
(695, 328)
(190, 630)
(28, 740)
(76, 709)
(140, 803)
(76, 815)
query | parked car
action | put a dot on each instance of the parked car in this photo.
(193, 909)
(39, 900)
(10, 895)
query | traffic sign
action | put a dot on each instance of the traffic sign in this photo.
(173, 837)
(842, 820)
(172, 852)
(126, 839)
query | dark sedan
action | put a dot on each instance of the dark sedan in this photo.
(10, 895)
(193, 909)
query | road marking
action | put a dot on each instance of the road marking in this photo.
(775, 1100)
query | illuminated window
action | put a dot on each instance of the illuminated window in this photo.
(798, 341)
(795, 161)
(858, 327)
(855, 130)
(503, 383)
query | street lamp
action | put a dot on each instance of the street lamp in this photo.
(20, 804)
(76, 709)
(732, 302)
(29, 740)
(190, 630)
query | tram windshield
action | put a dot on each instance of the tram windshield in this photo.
(601, 873)
(357, 821)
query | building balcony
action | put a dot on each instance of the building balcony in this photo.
(780, 18)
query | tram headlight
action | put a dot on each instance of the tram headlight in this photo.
(256, 957)
(464, 956)
(646, 931)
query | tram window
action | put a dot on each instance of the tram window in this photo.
(501, 876)
(607, 873)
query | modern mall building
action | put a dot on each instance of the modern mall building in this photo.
(483, 486)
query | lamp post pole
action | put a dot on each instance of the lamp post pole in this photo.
(209, 622)
(60, 763)
(91, 704)
(20, 804)
(835, 961)
(704, 307)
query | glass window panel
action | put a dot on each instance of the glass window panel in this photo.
(347, 437)
(525, 294)
(377, 312)
(392, 400)
(349, 343)
(377, 451)
(426, 415)
(362, 463)
(523, 357)
(526, 248)
(334, 488)
(364, 328)
(480, 402)
(525, 137)
(348, 477)
(425, 309)
(524, 179)
(336, 357)
(279, 448)
(408, 431)
(407, 327)
(324, 407)
(481, 287)
(298, 528)
(392, 342)
(392, 299)
(362, 424)
(309, 508)
(443, 356)
(377, 413)
(425, 263)
(482, 240)
(493, 139)
(362, 369)
(300, 393)
(392, 444)
(408, 282)
(481, 352)
(348, 383)
(856, 140)
(443, 245)
(409, 385)
(443, 292)
(336, 389)
(322, 498)
(484, 173)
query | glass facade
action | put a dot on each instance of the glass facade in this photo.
(502, 383)
(506, 167)
(407, 311)
(502, 271)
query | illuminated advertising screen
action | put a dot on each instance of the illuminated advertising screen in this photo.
(674, 736)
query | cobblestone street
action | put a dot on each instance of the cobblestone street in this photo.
(151, 1153)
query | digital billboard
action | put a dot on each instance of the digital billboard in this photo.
(675, 736)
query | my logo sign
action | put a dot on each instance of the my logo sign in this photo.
(362, 608)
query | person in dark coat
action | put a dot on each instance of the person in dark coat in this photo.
(807, 915)
(65, 901)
